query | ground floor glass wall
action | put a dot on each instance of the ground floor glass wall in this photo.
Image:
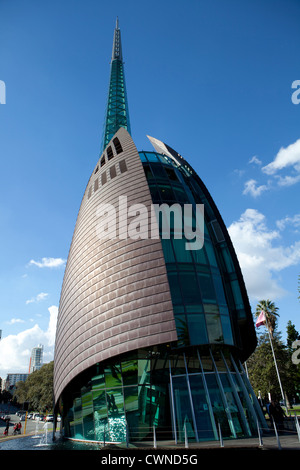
(189, 395)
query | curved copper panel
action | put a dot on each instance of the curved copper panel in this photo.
(115, 295)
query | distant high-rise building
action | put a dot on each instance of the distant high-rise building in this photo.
(36, 359)
(151, 331)
(12, 379)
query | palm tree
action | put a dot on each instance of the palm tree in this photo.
(271, 314)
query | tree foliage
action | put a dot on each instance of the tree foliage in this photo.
(37, 390)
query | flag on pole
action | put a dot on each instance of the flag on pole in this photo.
(261, 320)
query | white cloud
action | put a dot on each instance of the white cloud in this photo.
(286, 157)
(37, 298)
(14, 320)
(294, 221)
(238, 172)
(254, 190)
(48, 263)
(287, 180)
(255, 160)
(261, 259)
(15, 350)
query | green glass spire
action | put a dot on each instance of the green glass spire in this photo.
(117, 114)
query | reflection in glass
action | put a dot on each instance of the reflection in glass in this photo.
(201, 408)
(197, 328)
(87, 414)
(218, 405)
(202, 395)
(232, 406)
(183, 411)
(113, 376)
(116, 415)
(214, 328)
(130, 372)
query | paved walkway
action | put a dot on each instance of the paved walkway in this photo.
(286, 441)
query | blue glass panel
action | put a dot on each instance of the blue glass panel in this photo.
(174, 288)
(181, 195)
(201, 408)
(166, 193)
(211, 254)
(172, 175)
(152, 157)
(87, 414)
(182, 330)
(159, 171)
(214, 328)
(218, 405)
(143, 157)
(199, 256)
(183, 411)
(162, 158)
(227, 260)
(211, 308)
(77, 424)
(219, 289)
(207, 287)
(237, 295)
(189, 286)
(148, 172)
(196, 308)
(226, 327)
(182, 255)
(168, 250)
(197, 328)
(248, 413)
(232, 405)
(131, 403)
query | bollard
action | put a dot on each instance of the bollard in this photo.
(297, 426)
(220, 434)
(186, 441)
(259, 434)
(154, 438)
(277, 437)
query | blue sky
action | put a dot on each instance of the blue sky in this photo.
(213, 79)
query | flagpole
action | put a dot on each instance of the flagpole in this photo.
(275, 362)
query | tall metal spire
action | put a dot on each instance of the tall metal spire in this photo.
(117, 114)
(117, 46)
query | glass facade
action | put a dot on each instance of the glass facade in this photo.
(204, 287)
(189, 394)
